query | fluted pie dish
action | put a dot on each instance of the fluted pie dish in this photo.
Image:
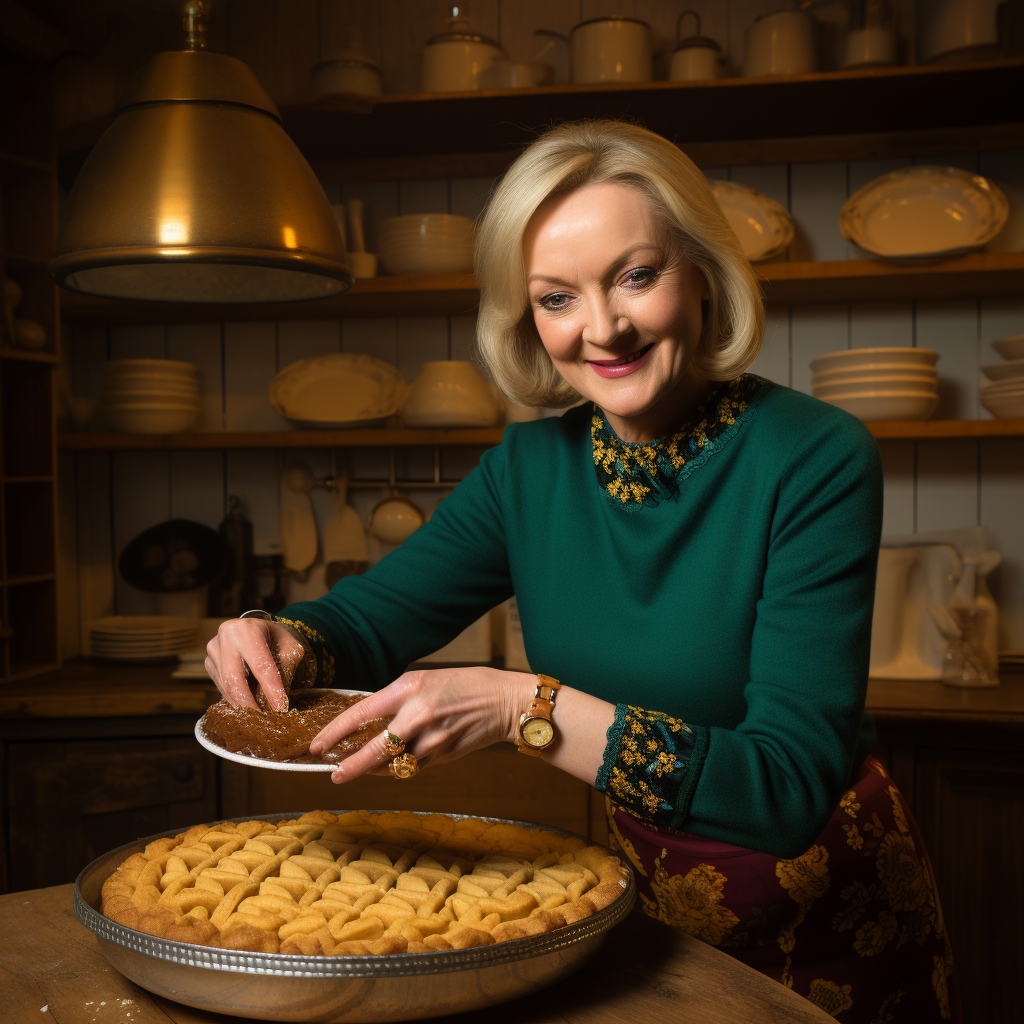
(353, 916)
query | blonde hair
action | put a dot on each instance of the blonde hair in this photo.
(564, 160)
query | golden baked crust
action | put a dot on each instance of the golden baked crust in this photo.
(360, 883)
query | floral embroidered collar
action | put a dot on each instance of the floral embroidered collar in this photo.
(635, 475)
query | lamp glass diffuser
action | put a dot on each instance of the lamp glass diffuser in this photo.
(195, 193)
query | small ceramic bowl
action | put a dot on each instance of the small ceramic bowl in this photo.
(850, 358)
(29, 334)
(395, 518)
(450, 393)
(426, 243)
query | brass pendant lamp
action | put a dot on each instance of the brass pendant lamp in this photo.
(196, 194)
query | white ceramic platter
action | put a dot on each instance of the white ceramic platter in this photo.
(924, 213)
(259, 762)
(763, 226)
(338, 390)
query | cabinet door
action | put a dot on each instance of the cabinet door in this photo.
(970, 807)
(70, 802)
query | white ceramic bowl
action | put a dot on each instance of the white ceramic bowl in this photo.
(150, 420)
(450, 393)
(426, 243)
(1006, 406)
(1012, 369)
(1011, 347)
(872, 408)
(872, 372)
(395, 518)
(850, 358)
(858, 386)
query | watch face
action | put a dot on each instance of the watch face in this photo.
(537, 732)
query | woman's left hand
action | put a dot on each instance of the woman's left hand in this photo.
(440, 714)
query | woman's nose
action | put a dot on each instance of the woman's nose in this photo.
(603, 325)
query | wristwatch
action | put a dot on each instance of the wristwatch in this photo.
(536, 730)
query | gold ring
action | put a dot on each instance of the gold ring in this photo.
(404, 767)
(393, 745)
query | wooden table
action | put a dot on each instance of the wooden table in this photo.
(51, 970)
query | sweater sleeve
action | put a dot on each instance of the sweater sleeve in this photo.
(451, 571)
(772, 782)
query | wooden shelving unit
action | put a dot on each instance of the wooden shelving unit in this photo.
(829, 115)
(483, 437)
(356, 438)
(28, 485)
(979, 274)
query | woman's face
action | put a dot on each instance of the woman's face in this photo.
(617, 307)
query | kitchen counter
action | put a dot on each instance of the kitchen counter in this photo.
(87, 689)
(51, 970)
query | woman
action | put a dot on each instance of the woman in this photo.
(693, 553)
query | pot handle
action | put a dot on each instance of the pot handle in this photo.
(679, 24)
(563, 71)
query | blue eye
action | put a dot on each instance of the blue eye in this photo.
(641, 275)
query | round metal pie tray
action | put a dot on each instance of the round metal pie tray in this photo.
(395, 987)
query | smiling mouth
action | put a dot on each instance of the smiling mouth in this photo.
(623, 360)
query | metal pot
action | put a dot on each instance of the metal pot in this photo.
(454, 60)
(696, 56)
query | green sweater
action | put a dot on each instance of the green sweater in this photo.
(729, 586)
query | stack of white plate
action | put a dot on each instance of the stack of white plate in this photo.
(426, 243)
(141, 637)
(1004, 396)
(150, 396)
(879, 383)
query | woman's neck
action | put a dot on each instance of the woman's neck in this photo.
(665, 418)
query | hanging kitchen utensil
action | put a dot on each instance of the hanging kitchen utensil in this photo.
(236, 591)
(346, 552)
(196, 194)
(173, 556)
(298, 527)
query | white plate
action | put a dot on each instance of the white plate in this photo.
(924, 212)
(874, 408)
(132, 625)
(1011, 347)
(763, 226)
(259, 762)
(1004, 387)
(1012, 369)
(874, 386)
(338, 390)
(1004, 407)
(876, 358)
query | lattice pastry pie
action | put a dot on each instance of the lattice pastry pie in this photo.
(360, 883)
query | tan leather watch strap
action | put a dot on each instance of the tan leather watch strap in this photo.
(542, 706)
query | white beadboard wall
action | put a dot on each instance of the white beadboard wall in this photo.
(108, 499)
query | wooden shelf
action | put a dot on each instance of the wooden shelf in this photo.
(28, 355)
(410, 438)
(407, 295)
(735, 120)
(936, 429)
(26, 161)
(25, 259)
(20, 581)
(355, 438)
(979, 274)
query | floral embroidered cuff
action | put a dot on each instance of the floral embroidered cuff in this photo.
(316, 645)
(651, 765)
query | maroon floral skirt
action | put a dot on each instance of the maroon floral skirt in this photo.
(854, 924)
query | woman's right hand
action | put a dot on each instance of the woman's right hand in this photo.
(269, 650)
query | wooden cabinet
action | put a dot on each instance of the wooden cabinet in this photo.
(28, 500)
(962, 771)
(970, 806)
(70, 801)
